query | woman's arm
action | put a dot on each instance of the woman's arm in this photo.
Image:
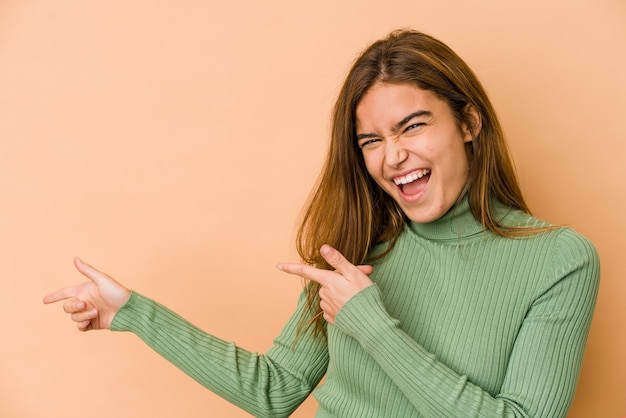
(271, 384)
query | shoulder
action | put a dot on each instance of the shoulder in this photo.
(573, 250)
(570, 257)
(567, 250)
(566, 242)
(565, 239)
(508, 216)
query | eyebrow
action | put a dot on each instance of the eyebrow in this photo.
(397, 126)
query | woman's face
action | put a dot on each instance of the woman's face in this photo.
(413, 148)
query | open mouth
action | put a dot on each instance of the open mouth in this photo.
(413, 183)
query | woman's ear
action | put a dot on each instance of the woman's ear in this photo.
(473, 123)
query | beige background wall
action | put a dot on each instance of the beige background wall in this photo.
(173, 143)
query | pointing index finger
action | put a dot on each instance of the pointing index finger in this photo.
(306, 271)
(61, 294)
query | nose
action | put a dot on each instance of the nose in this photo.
(395, 153)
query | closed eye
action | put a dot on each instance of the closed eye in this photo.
(368, 142)
(413, 126)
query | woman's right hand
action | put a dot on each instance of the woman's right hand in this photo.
(93, 304)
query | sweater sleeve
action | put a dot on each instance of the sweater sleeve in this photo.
(542, 373)
(272, 384)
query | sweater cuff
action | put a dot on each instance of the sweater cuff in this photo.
(365, 318)
(136, 306)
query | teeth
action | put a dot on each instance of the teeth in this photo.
(411, 177)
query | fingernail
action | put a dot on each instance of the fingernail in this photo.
(326, 250)
(279, 266)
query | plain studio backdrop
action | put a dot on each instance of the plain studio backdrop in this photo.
(173, 143)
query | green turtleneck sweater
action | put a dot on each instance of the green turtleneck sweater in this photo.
(459, 323)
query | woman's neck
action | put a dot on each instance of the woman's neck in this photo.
(458, 222)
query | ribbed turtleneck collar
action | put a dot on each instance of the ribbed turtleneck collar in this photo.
(457, 223)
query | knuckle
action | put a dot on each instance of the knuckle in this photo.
(336, 258)
(73, 305)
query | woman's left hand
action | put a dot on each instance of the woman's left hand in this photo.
(338, 286)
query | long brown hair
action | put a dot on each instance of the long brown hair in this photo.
(347, 209)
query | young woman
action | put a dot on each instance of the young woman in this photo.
(432, 290)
